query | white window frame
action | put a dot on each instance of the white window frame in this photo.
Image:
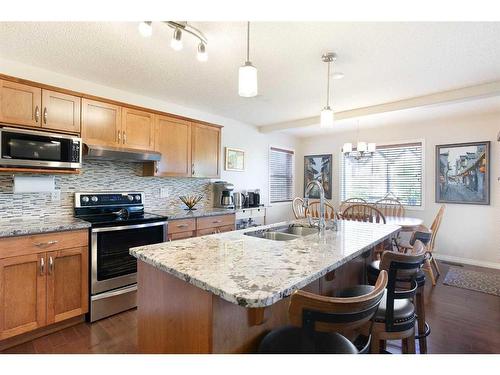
(269, 175)
(392, 143)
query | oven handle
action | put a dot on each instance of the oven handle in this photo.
(124, 227)
(117, 292)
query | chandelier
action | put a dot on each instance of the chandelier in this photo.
(363, 149)
(179, 27)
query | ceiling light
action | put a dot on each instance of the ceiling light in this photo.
(202, 52)
(146, 29)
(327, 115)
(363, 149)
(176, 42)
(247, 75)
(347, 148)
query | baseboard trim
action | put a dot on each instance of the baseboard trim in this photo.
(468, 261)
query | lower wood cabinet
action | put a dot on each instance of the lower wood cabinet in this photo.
(187, 228)
(39, 287)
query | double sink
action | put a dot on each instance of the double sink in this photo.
(283, 233)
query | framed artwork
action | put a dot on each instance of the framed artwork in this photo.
(235, 159)
(318, 167)
(463, 173)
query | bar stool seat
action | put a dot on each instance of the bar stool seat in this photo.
(297, 340)
(374, 270)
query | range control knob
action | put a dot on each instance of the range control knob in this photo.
(130, 197)
(85, 199)
(138, 198)
(94, 199)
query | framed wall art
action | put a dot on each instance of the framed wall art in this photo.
(318, 167)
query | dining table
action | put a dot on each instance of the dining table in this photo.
(407, 224)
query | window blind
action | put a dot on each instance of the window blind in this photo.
(280, 175)
(395, 169)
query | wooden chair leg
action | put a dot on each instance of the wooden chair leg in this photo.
(420, 309)
(430, 272)
(410, 343)
(435, 263)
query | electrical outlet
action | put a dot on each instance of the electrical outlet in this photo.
(164, 192)
(56, 195)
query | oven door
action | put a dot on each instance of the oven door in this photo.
(112, 265)
(29, 148)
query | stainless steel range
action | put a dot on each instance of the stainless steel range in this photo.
(118, 222)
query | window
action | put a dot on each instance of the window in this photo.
(394, 170)
(280, 175)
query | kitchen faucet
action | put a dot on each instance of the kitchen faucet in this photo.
(310, 185)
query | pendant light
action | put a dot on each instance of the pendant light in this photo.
(327, 115)
(247, 77)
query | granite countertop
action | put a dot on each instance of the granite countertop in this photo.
(180, 213)
(256, 272)
(21, 227)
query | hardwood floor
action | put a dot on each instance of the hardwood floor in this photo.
(462, 321)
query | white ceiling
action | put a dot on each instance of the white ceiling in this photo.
(382, 62)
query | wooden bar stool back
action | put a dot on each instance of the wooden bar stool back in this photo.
(313, 210)
(298, 208)
(318, 321)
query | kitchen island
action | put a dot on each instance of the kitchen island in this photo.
(221, 293)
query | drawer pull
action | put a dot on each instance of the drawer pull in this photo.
(51, 265)
(42, 266)
(216, 221)
(182, 225)
(48, 243)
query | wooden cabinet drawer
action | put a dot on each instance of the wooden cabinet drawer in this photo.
(206, 231)
(226, 228)
(181, 225)
(214, 221)
(181, 235)
(40, 243)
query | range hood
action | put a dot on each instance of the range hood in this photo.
(98, 152)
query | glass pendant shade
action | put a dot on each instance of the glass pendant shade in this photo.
(327, 117)
(202, 53)
(347, 148)
(372, 147)
(247, 80)
(362, 147)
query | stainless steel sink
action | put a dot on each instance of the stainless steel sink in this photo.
(283, 233)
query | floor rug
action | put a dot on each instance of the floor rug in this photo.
(474, 280)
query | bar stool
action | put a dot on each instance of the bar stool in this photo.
(319, 323)
(395, 318)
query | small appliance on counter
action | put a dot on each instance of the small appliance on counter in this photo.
(252, 198)
(223, 194)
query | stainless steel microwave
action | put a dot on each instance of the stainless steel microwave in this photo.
(31, 148)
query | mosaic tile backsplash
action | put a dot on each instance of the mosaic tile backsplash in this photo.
(99, 176)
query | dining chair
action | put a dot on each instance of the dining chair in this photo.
(348, 202)
(313, 210)
(396, 315)
(298, 208)
(390, 207)
(363, 212)
(320, 324)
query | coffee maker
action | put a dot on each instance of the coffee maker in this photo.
(223, 194)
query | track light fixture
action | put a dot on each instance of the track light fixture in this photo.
(146, 30)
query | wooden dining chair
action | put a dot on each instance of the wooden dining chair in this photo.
(390, 207)
(350, 201)
(298, 208)
(313, 210)
(320, 324)
(363, 212)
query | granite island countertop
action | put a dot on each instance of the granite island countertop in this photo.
(23, 227)
(256, 272)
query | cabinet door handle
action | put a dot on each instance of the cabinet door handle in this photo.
(156, 167)
(45, 113)
(124, 137)
(119, 136)
(42, 266)
(48, 243)
(216, 221)
(51, 265)
(37, 114)
(181, 225)
(192, 169)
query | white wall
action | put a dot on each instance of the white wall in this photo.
(234, 134)
(469, 233)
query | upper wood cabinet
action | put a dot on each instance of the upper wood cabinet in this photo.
(205, 150)
(101, 123)
(20, 104)
(67, 284)
(137, 129)
(22, 294)
(60, 111)
(173, 141)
